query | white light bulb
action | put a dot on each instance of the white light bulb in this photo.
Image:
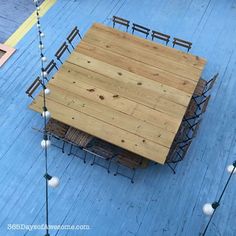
(208, 209)
(230, 169)
(46, 114)
(53, 182)
(38, 8)
(35, 1)
(44, 74)
(42, 34)
(44, 59)
(38, 25)
(45, 143)
(47, 91)
(41, 46)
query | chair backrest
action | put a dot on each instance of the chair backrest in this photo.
(57, 128)
(194, 128)
(210, 83)
(121, 21)
(141, 29)
(161, 36)
(72, 35)
(51, 65)
(33, 87)
(204, 104)
(182, 43)
(61, 50)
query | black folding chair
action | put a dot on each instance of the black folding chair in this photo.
(177, 154)
(121, 21)
(61, 51)
(182, 43)
(51, 65)
(33, 87)
(203, 86)
(161, 36)
(102, 153)
(128, 160)
(72, 36)
(78, 139)
(141, 29)
(57, 130)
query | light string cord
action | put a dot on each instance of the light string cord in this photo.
(216, 204)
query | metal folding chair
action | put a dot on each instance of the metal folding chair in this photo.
(64, 47)
(121, 21)
(161, 36)
(72, 36)
(128, 160)
(101, 151)
(57, 130)
(51, 65)
(141, 29)
(203, 86)
(182, 43)
(33, 87)
(78, 139)
(177, 153)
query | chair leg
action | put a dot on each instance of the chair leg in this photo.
(85, 155)
(171, 168)
(94, 157)
(132, 179)
(117, 168)
(63, 147)
(108, 168)
(56, 67)
(71, 146)
(80, 36)
(59, 60)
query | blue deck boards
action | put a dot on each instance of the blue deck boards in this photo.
(159, 203)
(12, 15)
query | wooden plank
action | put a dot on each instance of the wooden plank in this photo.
(165, 51)
(150, 89)
(85, 88)
(136, 67)
(103, 130)
(64, 94)
(122, 88)
(132, 50)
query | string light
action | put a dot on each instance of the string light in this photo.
(209, 209)
(45, 143)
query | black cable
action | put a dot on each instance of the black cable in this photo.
(216, 204)
(45, 135)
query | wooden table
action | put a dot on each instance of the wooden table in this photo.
(124, 89)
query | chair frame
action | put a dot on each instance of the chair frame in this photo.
(61, 50)
(51, 65)
(184, 149)
(141, 29)
(72, 35)
(161, 36)
(121, 21)
(182, 43)
(33, 87)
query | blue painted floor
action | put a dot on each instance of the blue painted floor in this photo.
(159, 203)
(12, 14)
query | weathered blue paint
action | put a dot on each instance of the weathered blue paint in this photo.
(159, 203)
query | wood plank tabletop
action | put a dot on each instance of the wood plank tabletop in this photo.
(124, 89)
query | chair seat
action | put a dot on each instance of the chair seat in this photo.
(103, 152)
(78, 137)
(57, 128)
(192, 109)
(129, 159)
(200, 87)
